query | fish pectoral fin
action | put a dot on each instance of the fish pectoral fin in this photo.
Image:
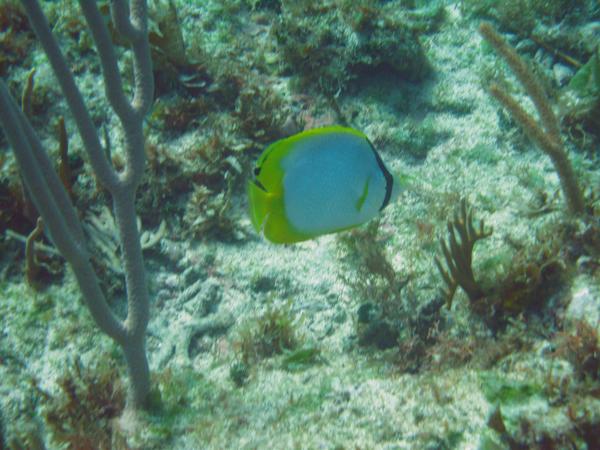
(365, 192)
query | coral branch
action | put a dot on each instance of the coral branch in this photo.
(547, 136)
(50, 196)
(32, 268)
(458, 253)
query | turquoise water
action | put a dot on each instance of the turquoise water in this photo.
(464, 315)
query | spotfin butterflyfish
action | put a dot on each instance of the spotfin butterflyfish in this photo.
(317, 182)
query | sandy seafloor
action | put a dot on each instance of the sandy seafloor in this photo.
(353, 396)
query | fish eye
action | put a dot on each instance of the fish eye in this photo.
(256, 171)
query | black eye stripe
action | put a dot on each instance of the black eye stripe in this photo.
(259, 185)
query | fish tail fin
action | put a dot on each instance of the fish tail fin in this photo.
(403, 182)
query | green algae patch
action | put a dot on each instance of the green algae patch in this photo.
(504, 391)
(301, 359)
(586, 82)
